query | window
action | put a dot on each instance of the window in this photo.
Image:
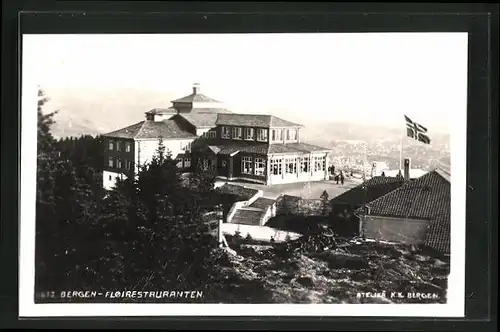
(212, 134)
(117, 145)
(304, 165)
(128, 147)
(205, 164)
(204, 135)
(128, 164)
(291, 165)
(110, 146)
(319, 163)
(110, 178)
(179, 162)
(237, 133)
(111, 162)
(224, 132)
(260, 166)
(262, 135)
(119, 163)
(246, 165)
(291, 135)
(276, 167)
(277, 135)
(185, 146)
(187, 162)
(223, 163)
(249, 134)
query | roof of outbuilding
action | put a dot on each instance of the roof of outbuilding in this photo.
(368, 191)
(427, 197)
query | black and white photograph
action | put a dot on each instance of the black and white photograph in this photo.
(316, 174)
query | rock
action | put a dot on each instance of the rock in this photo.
(305, 281)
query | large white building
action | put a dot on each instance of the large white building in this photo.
(256, 147)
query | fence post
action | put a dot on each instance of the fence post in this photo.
(220, 215)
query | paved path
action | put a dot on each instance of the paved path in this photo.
(303, 189)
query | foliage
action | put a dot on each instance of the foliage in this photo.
(147, 234)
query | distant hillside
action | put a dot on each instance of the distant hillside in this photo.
(96, 111)
(93, 111)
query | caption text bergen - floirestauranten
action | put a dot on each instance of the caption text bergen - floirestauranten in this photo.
(128, 294)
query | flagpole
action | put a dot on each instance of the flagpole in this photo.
(401, 154)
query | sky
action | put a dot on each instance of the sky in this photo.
(368, 78)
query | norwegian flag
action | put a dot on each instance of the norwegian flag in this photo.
(416, 131)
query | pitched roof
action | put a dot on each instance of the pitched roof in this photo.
(261, 148)
(428, 198)
(254, 120)
(127, 132)
(295, 147)
(368, 191)
(195, 97)
(167, 129)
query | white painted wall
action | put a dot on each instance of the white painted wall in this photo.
(146, 149)
(261, 233)
(109, 179)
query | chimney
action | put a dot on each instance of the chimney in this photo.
(406, 169)
(196, 88)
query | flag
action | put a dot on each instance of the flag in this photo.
(416, 131)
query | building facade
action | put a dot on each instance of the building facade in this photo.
(198, 131)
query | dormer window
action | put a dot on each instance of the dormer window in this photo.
(249, 134)
(291, 135)
(262, 135)
(277, 135)
(237, 133)
(225, 132)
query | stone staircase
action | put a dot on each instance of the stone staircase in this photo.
(262, 203)
(248, 216)
(257, 213)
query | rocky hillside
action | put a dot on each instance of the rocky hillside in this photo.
(318, 269)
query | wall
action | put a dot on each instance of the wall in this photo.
(299, 176)
(118, 154)
(146, 149)
(410, 231)
(286, 204)
(109, 179)
(261, 233)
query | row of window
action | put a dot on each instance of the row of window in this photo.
(209, 134)
(118, 146)
(183, 162)
(253, 166)
(244, 133)
(119, 163)
(277, 135)
(288, 165)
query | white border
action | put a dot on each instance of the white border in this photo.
(27, 308)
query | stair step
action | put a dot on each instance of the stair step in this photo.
(262, 202)
(247, 217)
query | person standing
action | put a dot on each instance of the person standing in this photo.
(341, 178)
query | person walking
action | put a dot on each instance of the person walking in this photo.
(341, 178)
